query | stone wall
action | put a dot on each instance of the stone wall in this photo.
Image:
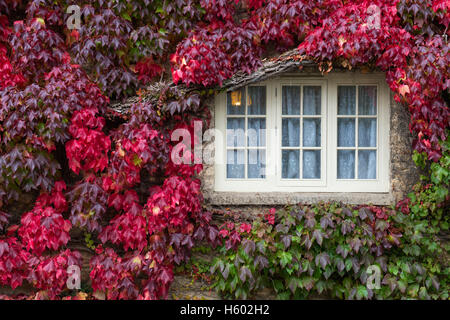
(404, 173)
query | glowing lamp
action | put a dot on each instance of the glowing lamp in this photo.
(236, 98)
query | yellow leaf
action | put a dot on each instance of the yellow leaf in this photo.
(82, 295)
(137, 260)
(41, 21)
(403, 89)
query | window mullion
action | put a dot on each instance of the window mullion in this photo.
(246, 135)
(357, 132)
(300, 154)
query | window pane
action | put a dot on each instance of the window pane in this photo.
(346, 100)
(346, 132)
(311, 164)
(235, 132)
(256, 132)
(311, 132)
(367, 164)
(256, 102)
(236, 102)
(367, 100)
(291, 100)
(311, 100)
(367, 132)
(256, 164)
(346, 164)
(235, 164)
(291, 132)
(290, 164)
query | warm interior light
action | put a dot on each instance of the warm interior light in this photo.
(236, 98)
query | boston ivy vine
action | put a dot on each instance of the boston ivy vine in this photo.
(87, 173)
(328, 249)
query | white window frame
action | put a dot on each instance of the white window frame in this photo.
(328, 181)
(323, 127)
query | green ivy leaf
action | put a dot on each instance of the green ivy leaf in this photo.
(348, 264)
(361, 292)
(285, 258)
(126, 16)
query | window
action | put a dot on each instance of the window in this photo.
(246, 139)
(318, 134)
(301, 119)
(357, 132)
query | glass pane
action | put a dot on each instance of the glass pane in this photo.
(311, 100)
(367, 132)
(367, 164)
(235, 164)
(290, 164)
(367, 100)
(291, 132)
(291, 100)
(236, 102)
(346, 100)
(311, 132)
(256, 132)
(256, 164)
(346, 132)
(256, 102)
(346, 164)
(311, 164)
(236, 132)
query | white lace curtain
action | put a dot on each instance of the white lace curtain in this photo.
(367, 132)
(256, 135)
(291, 132)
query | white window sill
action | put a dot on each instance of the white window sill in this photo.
(283, 198)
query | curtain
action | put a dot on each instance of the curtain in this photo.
(235, 164)
(290, 132)
(256, 163)
(367, 100)
(311, 100)
(346, 100)
(311, 164)
(290, 164)
(367, 164)
(256, 132)
(346, 132)
(256, 157)
(311, 158)
(236, 132)
(256, 104)
(311, 132)
(346, 164)
(235, 138)
(291, 100)
(367, 132)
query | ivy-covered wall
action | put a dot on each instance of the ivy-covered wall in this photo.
(75, 176)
